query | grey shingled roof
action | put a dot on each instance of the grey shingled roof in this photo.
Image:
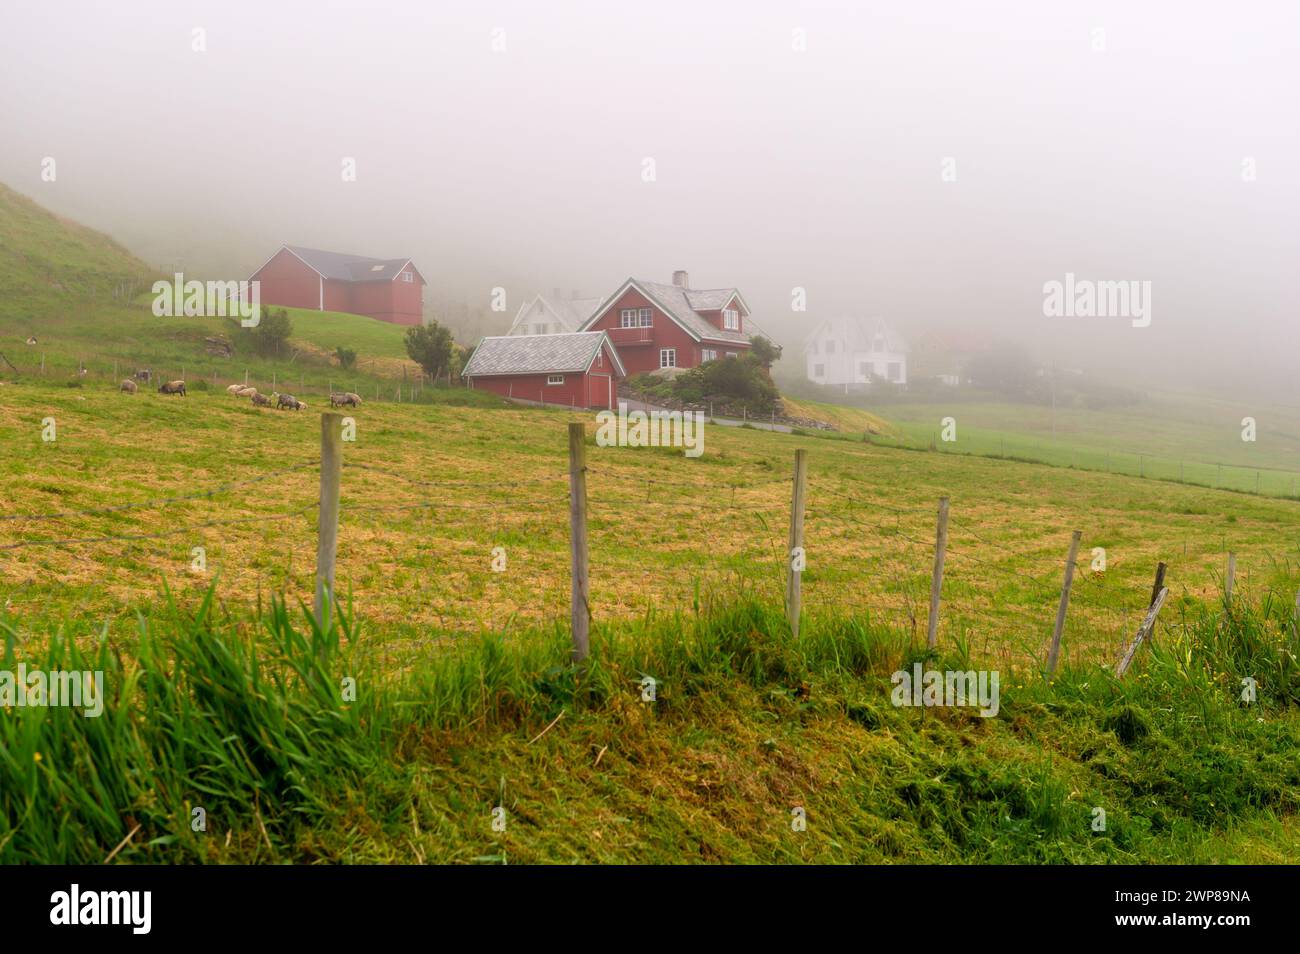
(535, 354)
(682, 304)
(349, 268)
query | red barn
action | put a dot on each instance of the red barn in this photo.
(657, 326)
(389, 289)
(580, 369)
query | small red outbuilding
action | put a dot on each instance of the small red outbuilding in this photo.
(571, 370)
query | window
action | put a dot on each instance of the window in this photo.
(708, 354)
(731, 354)
(408, 276)
(864, 369)
(731, 320)
(555, 379)
(539, 329)
(634, 318)
(830, 347)
(667, 357)
(895, 371)
(819, 370)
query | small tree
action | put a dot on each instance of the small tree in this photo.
(431, 347)
(765, 351)
(346, 357)
(268, 337)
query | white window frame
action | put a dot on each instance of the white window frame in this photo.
(819, 370)
(708, 354)
(731, 319)
(408, 276)
(646, 315)
(554, 379)
(670, 354)
(627, 318)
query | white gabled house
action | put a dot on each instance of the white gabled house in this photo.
(552, 315)
(846, 352)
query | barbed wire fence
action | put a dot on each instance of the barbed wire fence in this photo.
(905, 548)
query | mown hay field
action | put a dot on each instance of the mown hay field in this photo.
(429, 490)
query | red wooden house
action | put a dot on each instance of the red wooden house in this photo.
(580, 369)
(657, 326)
(388, 289)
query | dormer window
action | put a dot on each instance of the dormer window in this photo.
(408, 276)
(731, 319)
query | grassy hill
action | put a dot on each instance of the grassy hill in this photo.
(88, 303)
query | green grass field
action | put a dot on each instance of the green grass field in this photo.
(1171, 437)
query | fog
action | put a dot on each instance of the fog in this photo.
(504, 144)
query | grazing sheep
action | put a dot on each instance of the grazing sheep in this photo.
(172, 387)
(340, 399)
(128, 386)
(261, 400)
(235, 388)
(246, 390)
(31, 340)
(289, 401)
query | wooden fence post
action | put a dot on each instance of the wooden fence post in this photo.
(580, 590)
(1065, 602)
(331, 467)
(795, 556)
(1229, 579)
(1160, 578)
(936, 582)
(1147, 623)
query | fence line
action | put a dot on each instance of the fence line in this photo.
(795, 559)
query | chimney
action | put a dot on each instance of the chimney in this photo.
(681, 279)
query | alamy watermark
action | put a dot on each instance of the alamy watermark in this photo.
(70, 688)
(651, 429)
(196, 299)
(75, 907)
(1084, 298)
(935, 687)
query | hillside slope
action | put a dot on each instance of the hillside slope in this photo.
(47, 261)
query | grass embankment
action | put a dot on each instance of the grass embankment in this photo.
(246, 718)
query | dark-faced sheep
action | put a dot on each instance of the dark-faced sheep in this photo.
(172, 387)
(128, 386)
(261, 400)
(345, 398)
(289, 401)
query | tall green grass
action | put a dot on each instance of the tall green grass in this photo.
(250, 719)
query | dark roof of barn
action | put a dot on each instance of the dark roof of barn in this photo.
(349, 268)
(536, 354)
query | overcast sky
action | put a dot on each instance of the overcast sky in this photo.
(1111, 140)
